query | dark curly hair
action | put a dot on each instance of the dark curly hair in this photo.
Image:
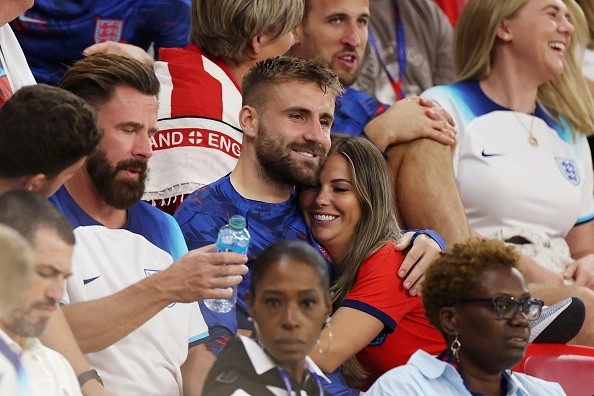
(457, 272)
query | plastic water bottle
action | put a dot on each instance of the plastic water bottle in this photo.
(233, 237)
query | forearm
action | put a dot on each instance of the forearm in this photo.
(352, 330)
(196, 368)
(59, 337)
(100, 323)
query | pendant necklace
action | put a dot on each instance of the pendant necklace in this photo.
(531, 138)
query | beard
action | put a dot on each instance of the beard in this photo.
(20, 324)
(277, 165)
(120, 194)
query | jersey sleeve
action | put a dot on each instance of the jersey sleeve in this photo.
(447, 98)
(198, 328)
(583, 153)
(378, 291)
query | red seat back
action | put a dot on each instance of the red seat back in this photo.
(572, 366)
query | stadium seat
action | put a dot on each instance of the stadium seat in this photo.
(570, 365)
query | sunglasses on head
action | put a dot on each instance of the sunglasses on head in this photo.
(506, 307)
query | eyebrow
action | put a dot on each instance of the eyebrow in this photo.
(307, 111)
(133, 124)
(54, 270)
(338, 180)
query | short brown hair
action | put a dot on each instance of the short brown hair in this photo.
(458, 271)
(96, 77)
(273, 71)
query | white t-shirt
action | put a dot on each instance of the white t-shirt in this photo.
(147, 361)
(504, 182)
(48, 372)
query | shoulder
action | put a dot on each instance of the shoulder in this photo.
(386, 252)
(209, 201)
(422, 375)
(535, 386)
(233, 372)
(150, 214)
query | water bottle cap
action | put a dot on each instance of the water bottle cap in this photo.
(237, 222)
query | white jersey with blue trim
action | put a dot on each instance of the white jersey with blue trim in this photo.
(105, 261)
(504, 181)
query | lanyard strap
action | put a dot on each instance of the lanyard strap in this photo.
(400, 51)
(287, 381)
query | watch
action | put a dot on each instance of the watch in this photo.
(87, 376)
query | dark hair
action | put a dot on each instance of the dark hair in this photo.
(44, 129)
(272, 71)
(296, 250)
(458, 271)
(26, 212)
(96, 77)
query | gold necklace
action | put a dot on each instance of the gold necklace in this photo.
(531, 138)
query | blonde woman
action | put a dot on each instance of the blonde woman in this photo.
(522, 162)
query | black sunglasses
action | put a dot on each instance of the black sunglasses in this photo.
(506, 307)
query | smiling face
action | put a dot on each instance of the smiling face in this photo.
(332, 207)
(539, 34)
(489, 344)
(289, 306)
(53, 262)
(293, 133)
(118, 166)
(337, 32)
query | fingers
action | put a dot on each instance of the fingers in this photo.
(97, 48)
(218, 293)
(208, 254)
(445, 136)
(416, 262)
(426, 102)
(439, 114)
(404, 241)
(570, 271)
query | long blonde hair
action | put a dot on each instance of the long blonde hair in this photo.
(588, 8)
(565, 96)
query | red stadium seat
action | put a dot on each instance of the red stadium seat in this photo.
(570, 365)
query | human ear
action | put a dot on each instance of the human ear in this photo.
(35, 183)
(248, 120)
(448, 318)
(503, 32)
(297, 34)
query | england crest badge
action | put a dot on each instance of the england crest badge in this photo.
(569, 170)
(108, 30)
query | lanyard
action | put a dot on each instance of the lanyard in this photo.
(400, 51)
(285, 377)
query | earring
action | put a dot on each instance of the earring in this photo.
(329, 327)
(455, 348)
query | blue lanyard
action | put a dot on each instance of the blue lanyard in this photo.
(400, 51)
(285, 377)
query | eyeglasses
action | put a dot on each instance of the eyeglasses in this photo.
(506, 307)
